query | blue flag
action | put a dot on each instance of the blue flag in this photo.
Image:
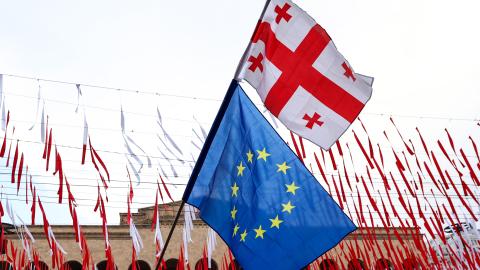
(258, 196)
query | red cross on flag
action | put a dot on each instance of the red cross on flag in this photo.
(301, 77)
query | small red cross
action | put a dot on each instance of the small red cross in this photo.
(282, 13)
(315, 119)
(256, 62)
(348, 72)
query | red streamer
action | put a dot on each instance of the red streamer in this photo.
(410, 151)
(20, 171)
(14, 166)
(472, 173)
(363, 150)
(296, 146)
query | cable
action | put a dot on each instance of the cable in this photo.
(353, 196)
(101, 108)
(101, 151)
(148, 204)
(52, 124)
(153, 93)
(142, 92)
(37, 174)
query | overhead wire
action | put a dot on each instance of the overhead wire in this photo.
(155, 93)
(374, 195)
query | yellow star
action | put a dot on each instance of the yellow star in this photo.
(259, 232)
(243, 236)
(250, 156)
(233, 213)
(235, 189)
(292, 188)
(287, 207)
(240, 169)
(283, 167)
(263, 154)
(235, 229)
(276, 222)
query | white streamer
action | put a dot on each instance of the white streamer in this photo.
(204, 133)
(52, 236)
(79, 95)
(131, 154)
(10, 214)
(27, 231)
(4, 116)
(42, 125)
(85, 129)
(169, 150)
(39, 97)
(211, 245)
(136, 238)
(165, 133)
(158, 235)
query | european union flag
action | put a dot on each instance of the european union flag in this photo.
(258, 196)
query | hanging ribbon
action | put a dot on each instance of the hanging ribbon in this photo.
(96, 158)
(175, 156)
(211, 245)
(34, 202)
(37, 110)
(136, 238)
(19, 175)
(172, 168)
(297, 150)
(204, 133)
(129, 142)
(165, 133)
(363, 150)
(4, 127)
(14, 166)
(85, 138)
(59, 170)
(410, 151)
(158, 234)
(166, 189)
(79, 95)
(472, 172)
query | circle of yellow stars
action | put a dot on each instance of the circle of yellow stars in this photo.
(275, 222)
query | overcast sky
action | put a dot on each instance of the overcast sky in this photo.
(424, 56)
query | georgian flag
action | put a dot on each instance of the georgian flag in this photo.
(301, 77)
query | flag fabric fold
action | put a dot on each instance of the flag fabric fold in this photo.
(301, 76)
(259, 197)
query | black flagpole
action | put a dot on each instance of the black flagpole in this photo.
(208, 141)
(200, 161)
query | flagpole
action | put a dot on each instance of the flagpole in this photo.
(209, 139)
(200, 161)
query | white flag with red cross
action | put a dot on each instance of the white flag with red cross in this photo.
(301, 77)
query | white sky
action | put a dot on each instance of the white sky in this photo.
(423, 54)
